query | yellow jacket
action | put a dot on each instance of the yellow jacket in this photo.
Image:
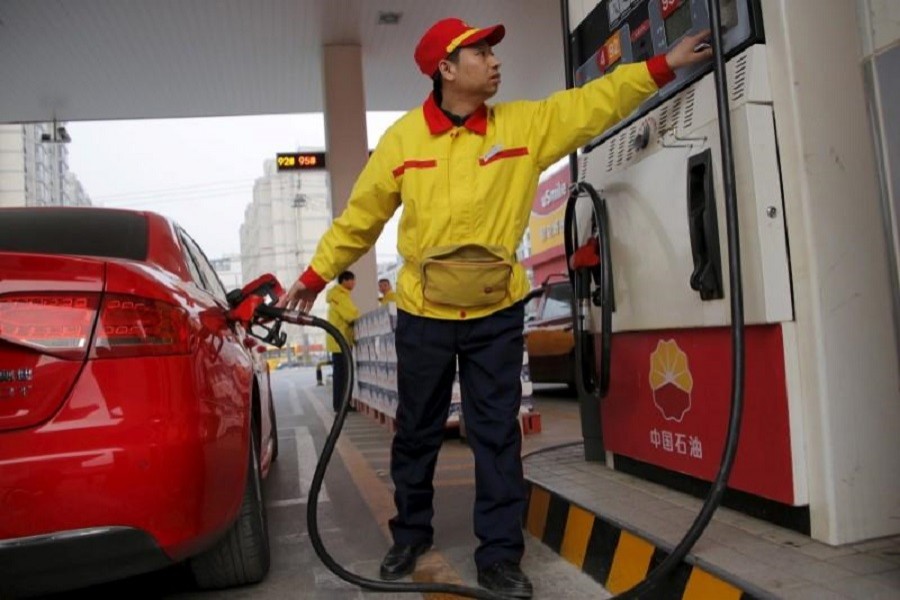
(474, 183)
(390, 296)
(341, 313)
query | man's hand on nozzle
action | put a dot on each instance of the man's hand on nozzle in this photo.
(692, 49)
(298, 297)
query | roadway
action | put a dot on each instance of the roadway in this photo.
(356, 504)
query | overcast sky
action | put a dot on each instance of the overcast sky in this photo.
(199, 172)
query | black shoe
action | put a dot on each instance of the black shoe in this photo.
(505, 577)
(400, 560)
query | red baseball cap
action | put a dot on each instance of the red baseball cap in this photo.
(447, 35)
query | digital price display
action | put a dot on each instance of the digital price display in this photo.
(300, 161)
(614, 32)
(677, 14)
(610, 53)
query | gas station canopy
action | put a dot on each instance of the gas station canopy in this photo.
(108, 59)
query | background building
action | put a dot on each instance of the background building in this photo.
(228, 268)
(35, 172)
(73, 191)
(290, 212)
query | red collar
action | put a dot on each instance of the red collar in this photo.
(439, 123)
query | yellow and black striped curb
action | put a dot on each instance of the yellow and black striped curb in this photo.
(617, 558)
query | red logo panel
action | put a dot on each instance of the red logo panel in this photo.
(669, 401)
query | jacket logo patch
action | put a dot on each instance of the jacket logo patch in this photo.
(495, 149)
(414, 164)
(495, 153)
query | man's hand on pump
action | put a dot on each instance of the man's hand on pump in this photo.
(299, 297)
(692, 49)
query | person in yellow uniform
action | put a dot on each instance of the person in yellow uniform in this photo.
(387, 294)
(342, 312)
(464, 173)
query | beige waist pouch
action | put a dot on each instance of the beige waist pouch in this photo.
(466, 275)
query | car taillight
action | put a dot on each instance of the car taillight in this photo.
(132, 326)
(53, 323)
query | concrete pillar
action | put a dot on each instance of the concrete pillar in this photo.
(347, 148)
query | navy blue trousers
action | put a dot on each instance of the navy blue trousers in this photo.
(490, 366)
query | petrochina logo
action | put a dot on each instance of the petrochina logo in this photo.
(671, 380)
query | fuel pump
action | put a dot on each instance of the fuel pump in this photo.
(660, 184)
(588, 230)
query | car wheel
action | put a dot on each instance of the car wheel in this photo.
(274, 432)
(242, 556)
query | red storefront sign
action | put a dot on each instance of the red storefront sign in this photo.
(546, 226)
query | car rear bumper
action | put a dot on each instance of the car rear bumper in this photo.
(71, 559)
(135, 445)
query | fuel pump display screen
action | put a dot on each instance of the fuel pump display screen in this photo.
(628, 31)
(678, 21)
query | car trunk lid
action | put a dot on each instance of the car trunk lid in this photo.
(48, 310)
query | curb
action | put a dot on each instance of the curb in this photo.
(618, 558)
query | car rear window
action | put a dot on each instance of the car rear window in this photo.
(558, 302)
(107, 234)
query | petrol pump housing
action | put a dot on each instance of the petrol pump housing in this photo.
(822, 395)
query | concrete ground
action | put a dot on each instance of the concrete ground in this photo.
(356, 504)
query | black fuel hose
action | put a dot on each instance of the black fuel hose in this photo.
(717, 489)
(312, 520)
(585, 382)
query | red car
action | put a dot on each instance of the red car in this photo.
(136, 420)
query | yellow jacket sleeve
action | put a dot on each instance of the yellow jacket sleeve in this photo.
(374, 199)
(567, 120)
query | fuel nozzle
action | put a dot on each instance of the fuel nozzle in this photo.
(246, 302)
(265, 286)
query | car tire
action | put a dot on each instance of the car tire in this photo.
(242, 556)
(274, 433)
